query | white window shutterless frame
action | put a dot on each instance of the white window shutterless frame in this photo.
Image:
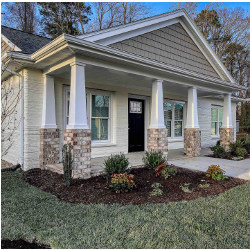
(216, 120)
(99, 110)
(173, 117)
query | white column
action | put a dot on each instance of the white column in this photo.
(49, 109)
(192, 109)
(227, 112)
(77, 105)
(157, 113)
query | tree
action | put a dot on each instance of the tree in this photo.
(10, 119)
(64, 17)
(116, 13)
(20, 15)
(190, 7)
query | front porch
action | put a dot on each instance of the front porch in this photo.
(93, 113)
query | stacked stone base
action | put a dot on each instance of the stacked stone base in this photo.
(192, 142)
(81, 142)
(49, 147)
(226, 137)
(158, 140)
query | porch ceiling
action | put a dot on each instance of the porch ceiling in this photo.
(111, 77)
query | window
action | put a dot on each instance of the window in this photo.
(100, 117)
(173, 116)
(98, 113)
(216, 120)
(135, 107)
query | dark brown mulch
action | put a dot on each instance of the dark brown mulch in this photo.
(230, 157)
(21, 244)
(95, 190)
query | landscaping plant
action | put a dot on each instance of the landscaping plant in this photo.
(165, 170)
(122, 182)
(216, 173)
(204, 186)
(67, 164)
(185, 188)
(156, 189)
(116, 164)
(153, 159)
(233, 147)
(241, 152)
(218, 151)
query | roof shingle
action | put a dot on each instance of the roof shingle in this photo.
(27, 42)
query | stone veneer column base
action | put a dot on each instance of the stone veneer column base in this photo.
(158, 140)
(49, 146)
(81, 143)
(192, 142)
(226, 137)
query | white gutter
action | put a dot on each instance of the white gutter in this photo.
(22, 115)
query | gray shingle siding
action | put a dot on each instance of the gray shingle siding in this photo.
(171, 45)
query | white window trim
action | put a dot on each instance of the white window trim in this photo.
(174, 138)
(89, 93)
(217, 135)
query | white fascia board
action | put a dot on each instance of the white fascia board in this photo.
(12, 45)
(145, 29)
(141, 24)
(194, 27)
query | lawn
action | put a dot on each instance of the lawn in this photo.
(214, 222)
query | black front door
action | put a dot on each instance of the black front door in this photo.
(135, 125)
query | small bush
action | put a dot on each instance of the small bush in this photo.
(241, 152)
(153, 159)
(218, 151)
(247, 147)
(185, 188)
(116, 164)
(204, 186)
(156, 189)
(234, 146)
(215, 173)
(165, 170)
(67, 164)
(122, 182)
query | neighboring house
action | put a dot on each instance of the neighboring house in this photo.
(154, 84)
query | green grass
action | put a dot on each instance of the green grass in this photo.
(215, 222)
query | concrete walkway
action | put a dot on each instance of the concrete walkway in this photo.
(240, 169)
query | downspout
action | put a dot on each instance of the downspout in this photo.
(21, 80)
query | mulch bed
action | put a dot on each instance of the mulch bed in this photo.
(21, 244)
(95, 190)
(230, 157)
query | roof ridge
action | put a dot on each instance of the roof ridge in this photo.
(142, 19)
(25, 32)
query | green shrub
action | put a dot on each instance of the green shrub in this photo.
(233, 146)
(165, 170)
(116, 164)
(185, 188)
(215, 173)
(67, 164)
(153, 159)
(241, 152)
(247, 147)
(122, 182)
(156, 189)
(218, 151)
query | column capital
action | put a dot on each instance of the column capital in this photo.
(158, 81)
(78, 63)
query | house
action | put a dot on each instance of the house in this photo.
(154, 84)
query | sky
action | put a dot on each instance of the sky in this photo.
(161, 7)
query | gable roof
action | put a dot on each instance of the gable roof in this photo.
(26, 42)
(123, 32)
